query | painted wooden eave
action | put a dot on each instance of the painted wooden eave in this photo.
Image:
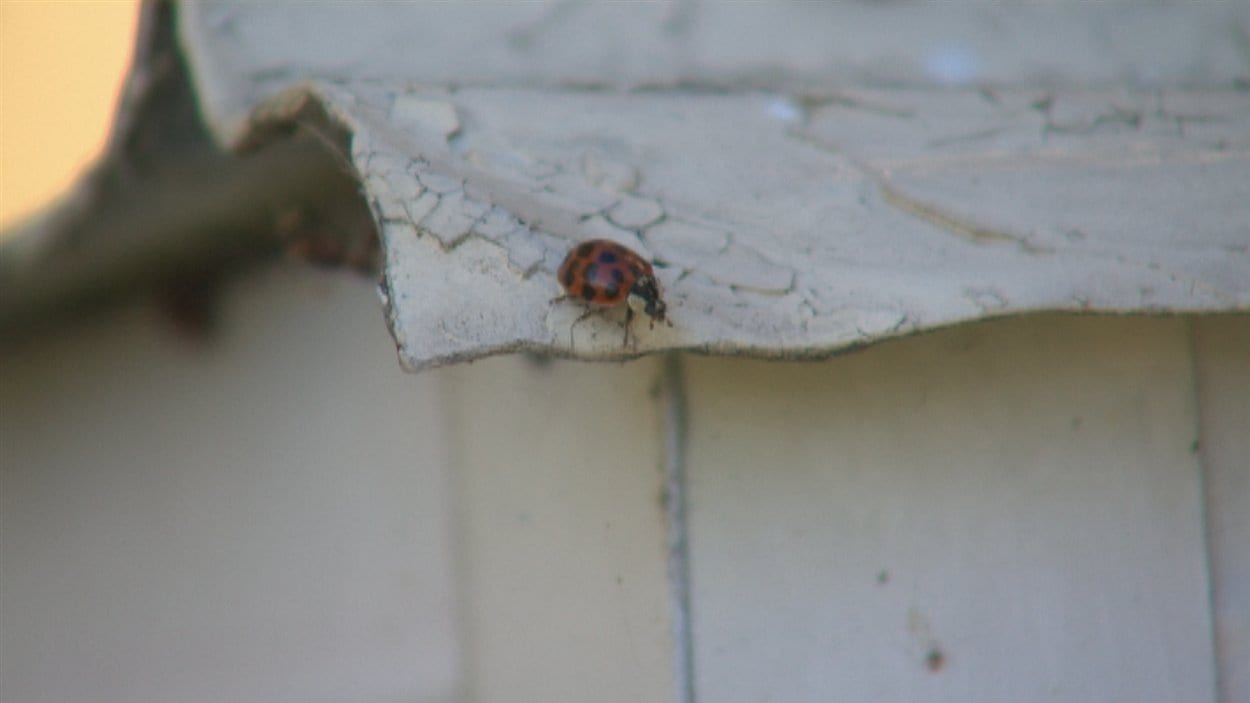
(805, 181)
(787, 229)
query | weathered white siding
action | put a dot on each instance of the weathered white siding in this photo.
(1222, 363)
(558, 493)
(1022, 497)
(278, 513)
(257, 517)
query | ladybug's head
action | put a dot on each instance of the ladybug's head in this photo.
(644, 297)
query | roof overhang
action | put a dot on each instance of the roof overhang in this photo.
(799, 197)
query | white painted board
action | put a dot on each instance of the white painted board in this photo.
(561, 539)
(256, 514)
(1007, 511)
(1222, 370)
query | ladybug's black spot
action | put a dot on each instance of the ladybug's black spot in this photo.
(584, 250)
(618, 275)
(588, 293)
(569, 277)
(611, 293)
(592, 270)
(607, 256)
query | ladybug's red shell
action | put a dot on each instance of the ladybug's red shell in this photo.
(602, 272)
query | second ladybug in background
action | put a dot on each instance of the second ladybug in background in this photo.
(604, 274)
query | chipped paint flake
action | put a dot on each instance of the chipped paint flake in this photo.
(744, 269)
(635, 213)
(608, 174)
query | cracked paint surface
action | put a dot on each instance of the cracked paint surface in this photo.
(839, 228)
(784, 221)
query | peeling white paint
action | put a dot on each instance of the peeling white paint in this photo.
(956, 237)
(786, 221)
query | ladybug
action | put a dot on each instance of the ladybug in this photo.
(604, 274)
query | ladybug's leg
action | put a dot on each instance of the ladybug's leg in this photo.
(573, 326)
(629, 317)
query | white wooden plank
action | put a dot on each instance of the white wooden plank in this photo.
(257, 515)
(1009, 511)
(558, 490)
(1222, 360)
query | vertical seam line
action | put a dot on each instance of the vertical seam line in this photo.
(678, 529)
(1205, 489)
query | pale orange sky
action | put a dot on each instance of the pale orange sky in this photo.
(61, 66)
